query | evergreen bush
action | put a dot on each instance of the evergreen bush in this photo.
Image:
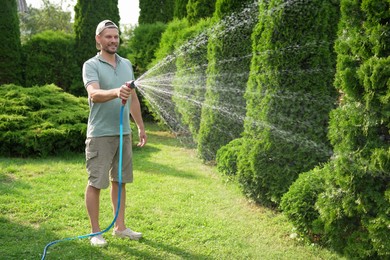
(49, 58)
(143, 44)
(227, 157)
(88, 14)
(199, 9)
(356, 202)
(289, 95)
(153, 11)
(180, 10)
(229, 50)
(10, 52)
(299, 203)
(40, 121)
(161, 71)
(190, 77)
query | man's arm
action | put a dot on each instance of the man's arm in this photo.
(135, 111)
(98, 95)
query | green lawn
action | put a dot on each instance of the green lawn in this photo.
(184, 209)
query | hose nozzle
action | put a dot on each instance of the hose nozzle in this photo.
(130, 84)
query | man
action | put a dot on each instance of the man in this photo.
(104, 78)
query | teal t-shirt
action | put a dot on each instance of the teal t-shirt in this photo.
(103, 118)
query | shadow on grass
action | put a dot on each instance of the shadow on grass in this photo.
(25, 242)
(167, 251)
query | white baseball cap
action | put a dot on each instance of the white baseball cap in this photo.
(104, 25)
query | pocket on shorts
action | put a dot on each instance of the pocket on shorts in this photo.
(91, 155)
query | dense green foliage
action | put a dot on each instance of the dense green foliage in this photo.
(10, 51)
(354, 204)
(199, 9)
(49, 58)
(180, 10)
(88, 14)
(143, 44)
(170, 39)
(357, 194)
(227, 157)
(190, 78)
(299, 203)
(229, 48)
(152, 11)
(41, 121)
(289, 95)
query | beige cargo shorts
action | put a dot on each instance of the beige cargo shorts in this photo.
(102, 158)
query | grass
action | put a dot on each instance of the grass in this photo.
(184, 209)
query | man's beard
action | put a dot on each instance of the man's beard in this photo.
(107, 49)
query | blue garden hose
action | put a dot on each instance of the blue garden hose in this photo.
(119, 190)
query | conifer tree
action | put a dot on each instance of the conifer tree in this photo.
(198, 9)
(10, 52)
(229, 50)
(180, 10)
(289, 96)
(152, 11)
(88, 14)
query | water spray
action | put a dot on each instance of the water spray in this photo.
(131, 85)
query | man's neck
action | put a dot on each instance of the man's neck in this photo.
(110, 58)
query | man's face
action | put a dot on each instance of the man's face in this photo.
(108, 40)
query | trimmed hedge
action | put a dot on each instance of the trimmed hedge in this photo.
(229, 50)
(40, 121)
(354, 203)
(49, 58)
(88, 14)
(143, 44)
(357, 195)
(10, 52)
(153, 11)
(190, 77)
(199, 9)
(289, 96)
(299, 203)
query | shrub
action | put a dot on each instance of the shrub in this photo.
(49, 59)
(190, 77)
(299, 203)
(180, 9)
(40, 121)
(229, 50)
(161, 72)
(199, 9)
(289, 96)
(227, 157)
(10, 52)
(354, 205)
(143, 44)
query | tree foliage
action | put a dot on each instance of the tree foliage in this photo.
(49, 58)
(289, 96)
(180, 10)
(142, 45)
(10, 52)
(229, 49)
(152, 11)
(199, 9)
(88, 14)
(49, 17)
(351, 211)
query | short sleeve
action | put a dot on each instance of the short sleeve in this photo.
(90, 73)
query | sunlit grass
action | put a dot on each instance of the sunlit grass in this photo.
(184, 209)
